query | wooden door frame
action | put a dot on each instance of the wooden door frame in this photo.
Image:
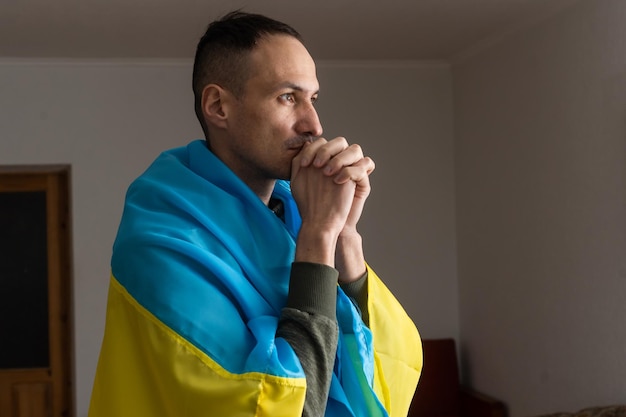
(59, 376)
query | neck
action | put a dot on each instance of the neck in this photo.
(263, 189)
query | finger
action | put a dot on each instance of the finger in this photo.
(295, 167)
(330, 150)
(322, 152)
(307, 153)
(302, 158)
(357, 172)
(349, 156)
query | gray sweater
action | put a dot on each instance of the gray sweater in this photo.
(309, 324)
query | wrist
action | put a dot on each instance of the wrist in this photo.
(349, 260)
(349, 233)
(316, 245)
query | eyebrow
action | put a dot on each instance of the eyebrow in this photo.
(295, 87)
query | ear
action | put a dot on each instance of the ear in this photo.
(215, 105)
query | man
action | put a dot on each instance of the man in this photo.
(224, 297)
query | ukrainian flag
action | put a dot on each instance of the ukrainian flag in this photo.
(200, 273)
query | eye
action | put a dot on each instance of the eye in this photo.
(314, 99)
(289, 97)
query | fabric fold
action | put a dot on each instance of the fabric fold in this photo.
(200, 273)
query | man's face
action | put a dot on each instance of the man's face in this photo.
(274, 117)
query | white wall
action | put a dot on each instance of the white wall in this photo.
(540, 144)
(110, 119)
(401, 113)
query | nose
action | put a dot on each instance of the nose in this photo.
(309, 122)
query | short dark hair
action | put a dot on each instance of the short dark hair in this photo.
(223, 49)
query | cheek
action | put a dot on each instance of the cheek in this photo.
(274, 129)
(267, 125)
(249, 127)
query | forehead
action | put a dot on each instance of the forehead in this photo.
(282, 59)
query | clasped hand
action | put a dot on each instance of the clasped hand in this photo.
(330, 183)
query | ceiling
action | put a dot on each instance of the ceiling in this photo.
(332, 29)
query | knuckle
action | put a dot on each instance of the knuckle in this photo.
(357, 147)
(340, 142)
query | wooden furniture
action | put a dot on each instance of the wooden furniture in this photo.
(439, 392)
